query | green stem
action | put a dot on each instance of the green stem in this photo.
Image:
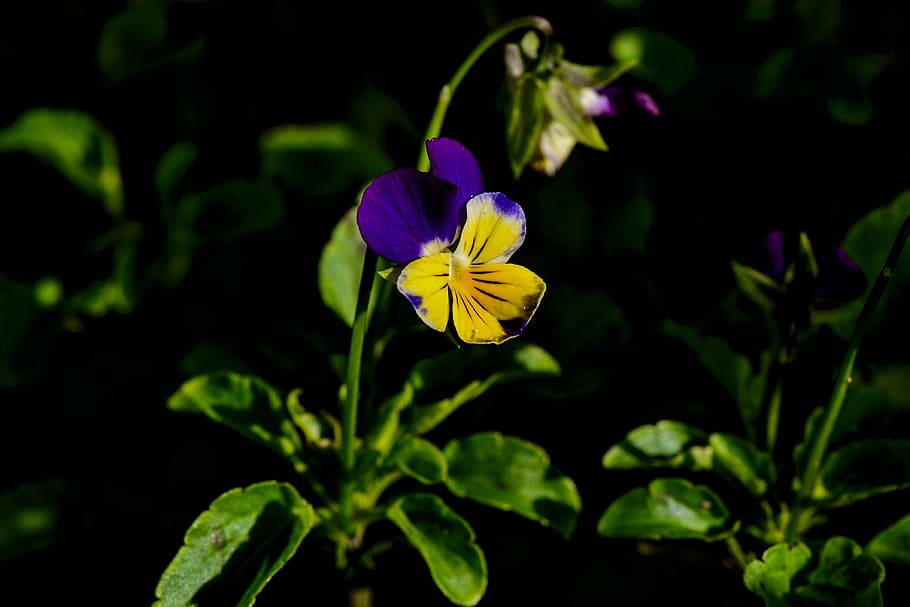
(448, 90)
(844, 375)
(364, 306)
(739, 556)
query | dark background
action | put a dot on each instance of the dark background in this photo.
(719, 167)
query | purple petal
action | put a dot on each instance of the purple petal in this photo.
(451, 161)
(613, 100)
(404, 212)
(777, 254)
(840, 279)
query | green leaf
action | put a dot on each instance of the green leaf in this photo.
(28, 517)
(772, 71)
(868, 242)
(513, 474)
(844, 577)
(866, 407)
(320, 159)
(421, 459)
(594, 76)
(517, 361)
(340, 267)
(666, 444)
(862, 469)
(524, 123)
(243, 402)
(733, 370)
(172, 167)
(129, 40)
(233, 549)
(892, 544)
(839, 575)
(562, 102)
(76, 145)
(849, 111)
(446, 543)
(670, 508)
(629, 226)
(743, 461)
(659, 57)
(772, 577)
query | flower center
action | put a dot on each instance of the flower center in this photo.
(458, 266)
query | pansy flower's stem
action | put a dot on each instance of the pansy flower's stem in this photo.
(819, 445)
(448, 90)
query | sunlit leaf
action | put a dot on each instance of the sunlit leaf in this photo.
(666, 444)
(659, 57)
(513, 474)
(245, 403)
(862, 469)
(772, 576)
(341, 266)
(563, 103)
(233, 549)
(837, 575)
(421, 459)
(75, 144)
(524, 123)
(743, 461)
(892, 544)
(28, 516)
(669, 508)
(446, 543)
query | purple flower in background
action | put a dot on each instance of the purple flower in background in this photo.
(798, 279)
(614, 100)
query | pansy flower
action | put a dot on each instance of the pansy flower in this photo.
(452, 240)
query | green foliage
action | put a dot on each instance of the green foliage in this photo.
(512, 474)
(892, 544)
(446, 543)
(29, 515)
(235, 547)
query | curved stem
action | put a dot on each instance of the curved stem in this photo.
(844, 374)
(448, 90)
(352, 386)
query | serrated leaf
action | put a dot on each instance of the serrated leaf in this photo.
(772, 576)
(669, 508)
(75, 144)
(666, 444)
(862, 469)
(341, 266)
(892, 544)
(839, 575)
(245, 403)
(421, 459)
(524, 123)
(515, 475)
(743, 461)
(233, 549)
(446, 543)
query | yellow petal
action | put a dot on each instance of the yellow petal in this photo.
(492, 303)
(493, 230)
(424, 282)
